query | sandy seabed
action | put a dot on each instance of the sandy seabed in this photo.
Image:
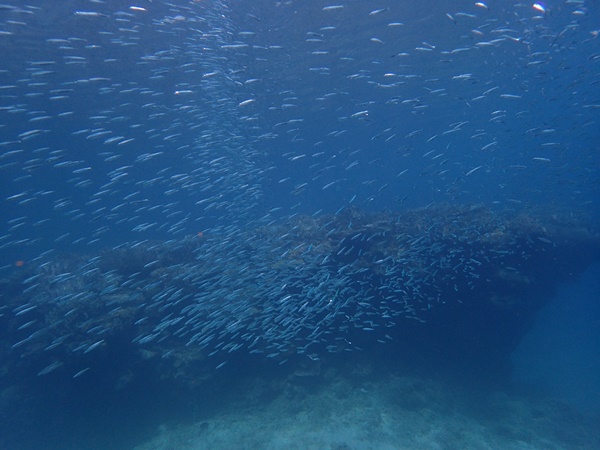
(394, 412)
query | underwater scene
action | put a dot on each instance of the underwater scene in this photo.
(350, 225)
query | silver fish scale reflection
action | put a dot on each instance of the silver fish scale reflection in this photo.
(161, 119)
(307, 285)
(132, 115)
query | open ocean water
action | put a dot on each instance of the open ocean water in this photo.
(299, 224)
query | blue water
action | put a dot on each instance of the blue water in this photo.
(127, 125)
(560, 353)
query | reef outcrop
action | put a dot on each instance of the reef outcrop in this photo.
(446, 284)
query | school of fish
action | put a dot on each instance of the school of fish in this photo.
(127, 123)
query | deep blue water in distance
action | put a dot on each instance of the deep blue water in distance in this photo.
(560, 353)
(127, 122)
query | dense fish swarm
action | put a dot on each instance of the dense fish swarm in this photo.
(299, 288)
(148, 120)
(170, 172)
